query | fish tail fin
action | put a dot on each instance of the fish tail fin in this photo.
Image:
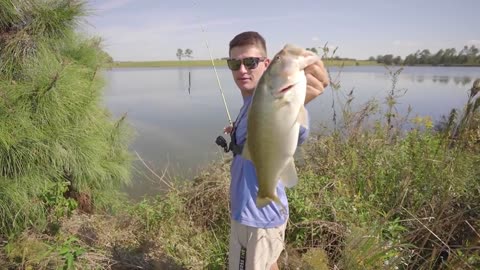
(264, 201)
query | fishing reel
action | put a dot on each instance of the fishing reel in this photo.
(232, 146)
(220, 141)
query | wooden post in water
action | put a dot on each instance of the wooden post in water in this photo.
(189, 81)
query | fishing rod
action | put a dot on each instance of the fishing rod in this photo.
(218, 79)
(220, 141)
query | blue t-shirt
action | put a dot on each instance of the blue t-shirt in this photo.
(244, 187)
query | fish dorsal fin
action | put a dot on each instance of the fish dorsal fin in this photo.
(302, 117)
(289, 176)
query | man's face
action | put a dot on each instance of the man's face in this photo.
(245, 78)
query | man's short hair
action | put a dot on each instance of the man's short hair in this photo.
(248, 38)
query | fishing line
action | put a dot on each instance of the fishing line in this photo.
(216, 74)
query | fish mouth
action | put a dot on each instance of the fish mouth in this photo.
(287, 88)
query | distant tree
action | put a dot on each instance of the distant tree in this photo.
(449, 56)
(410, 60)
(425, 57)
(472, 54)
(371, 58)
(179, 54)
(188, 53)
(437, 58)
(397, 60)
(313, 49)
(379, 58)
(473, 50)
(388, 59)
(462, 57)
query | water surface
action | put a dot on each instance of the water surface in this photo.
(176, 127)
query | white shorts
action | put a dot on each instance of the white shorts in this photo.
(254, 248)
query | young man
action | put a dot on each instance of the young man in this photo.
(257, 234)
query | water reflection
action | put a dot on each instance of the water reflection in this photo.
(457, 80)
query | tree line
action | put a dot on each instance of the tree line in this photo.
(466, 56)
(184, 54)
(314, 50)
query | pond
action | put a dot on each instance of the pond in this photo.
(177, 113)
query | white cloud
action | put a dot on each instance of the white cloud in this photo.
(475, 42)
(405, 43)
(153, 34)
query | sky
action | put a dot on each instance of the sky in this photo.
(152, 30)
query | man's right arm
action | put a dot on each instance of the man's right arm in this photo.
(317, 80)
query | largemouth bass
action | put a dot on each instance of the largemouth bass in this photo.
(274, 118)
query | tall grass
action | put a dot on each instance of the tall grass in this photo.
(59, 148)
(382, 191)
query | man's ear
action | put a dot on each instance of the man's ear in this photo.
(267, 62)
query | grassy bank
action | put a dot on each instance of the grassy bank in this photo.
(222, 63)
(60, 149)
(371, 195)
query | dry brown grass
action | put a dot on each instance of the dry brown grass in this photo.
(208, 199)
(109, 243)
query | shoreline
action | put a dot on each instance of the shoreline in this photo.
(223, 63)
(218, 62)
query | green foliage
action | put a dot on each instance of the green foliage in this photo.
(313, 49)
(187, 53)
(64, 252)
(154, 212)
(410, 189)
(54, 128)
(371, 194)
(8, 14)
(52, 20)
(179, 54)
(70, 251)
(54, 199)
(168, 219)
(466, 56)
(31, 26)
(19, 204)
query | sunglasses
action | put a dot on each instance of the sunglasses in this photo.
(248, 62)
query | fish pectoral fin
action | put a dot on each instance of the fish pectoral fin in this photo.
(302, 117)
(289, 175)
(246, 152)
